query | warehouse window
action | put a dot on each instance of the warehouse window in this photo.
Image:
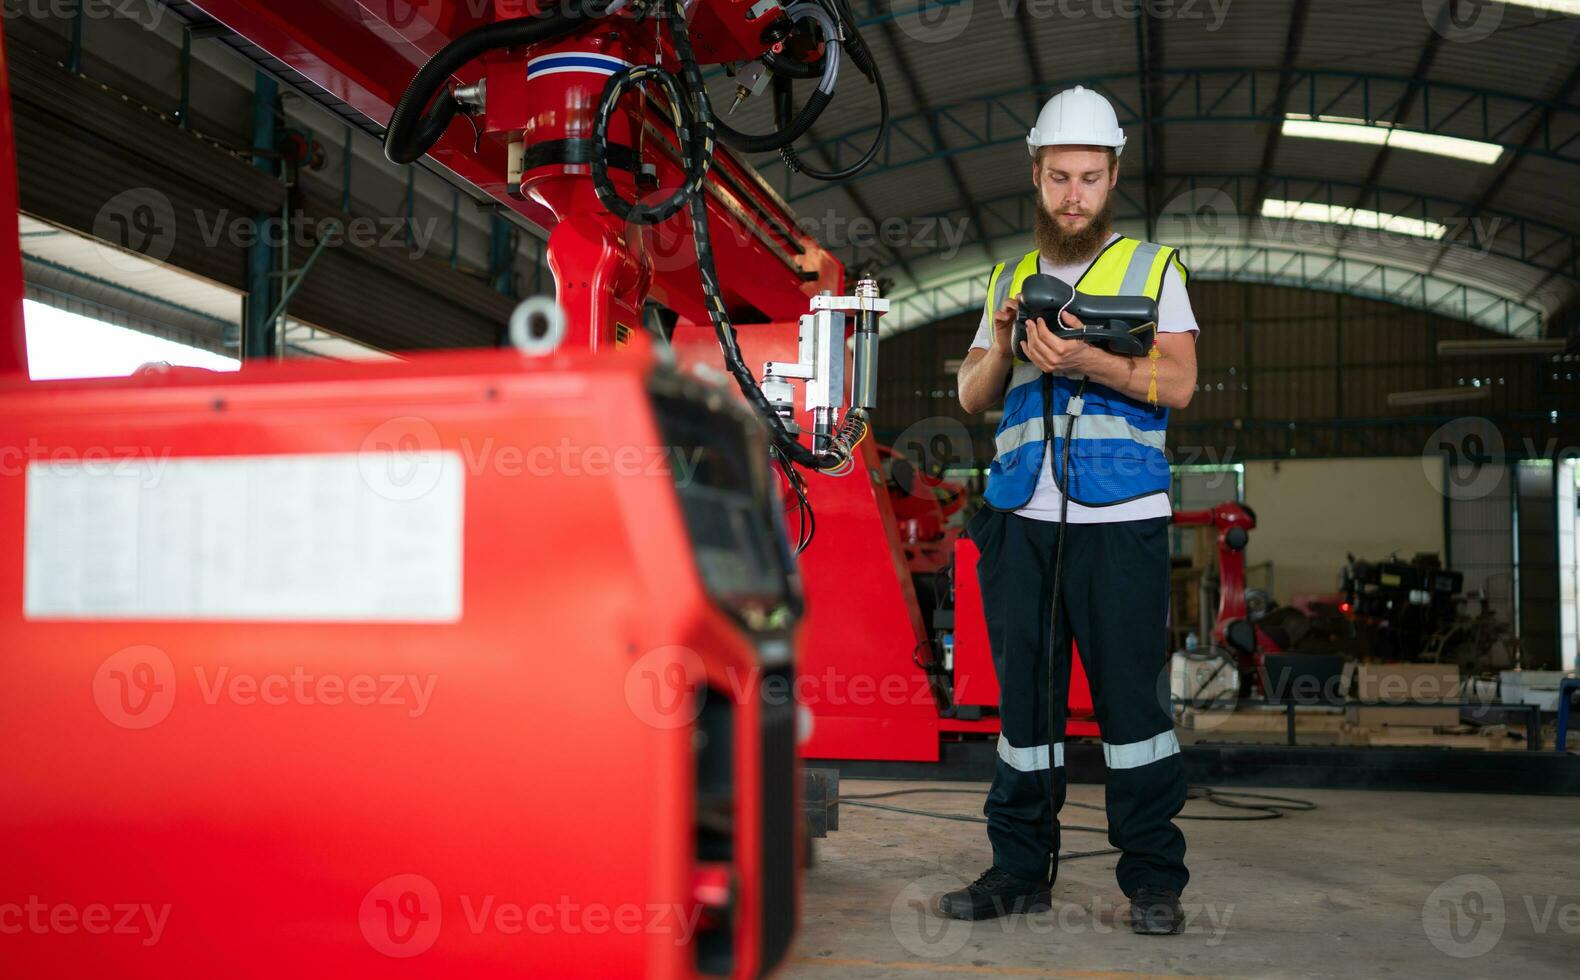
(69, 345)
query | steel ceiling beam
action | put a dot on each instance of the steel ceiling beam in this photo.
(1543, 246)
(1039, 83)
(1215, 96)
(1538, 125)
(1401, 110)
(1149, 54)
(935, 132)
(1297, 29)
(1267, 265)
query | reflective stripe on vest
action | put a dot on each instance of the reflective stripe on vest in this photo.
(1117, 450)
(1093, 427)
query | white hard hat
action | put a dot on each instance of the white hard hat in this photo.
(1076, 117)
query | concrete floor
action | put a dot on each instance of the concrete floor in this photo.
(1370, 884)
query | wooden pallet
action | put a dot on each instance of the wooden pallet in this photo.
(1259, 720)
(1493, 738)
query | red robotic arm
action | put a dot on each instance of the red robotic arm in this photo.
(1233, 522)
(535, 124)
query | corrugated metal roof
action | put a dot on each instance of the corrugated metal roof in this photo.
(1495, 71)
(1217, 68)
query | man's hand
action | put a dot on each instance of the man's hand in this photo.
(1055, 355)
(1004, 326)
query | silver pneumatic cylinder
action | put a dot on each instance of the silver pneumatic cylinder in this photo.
(864, 365)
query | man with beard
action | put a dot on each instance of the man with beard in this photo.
(1110, 505)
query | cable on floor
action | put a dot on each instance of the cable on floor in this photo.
(1266, 807)
(1065, 856)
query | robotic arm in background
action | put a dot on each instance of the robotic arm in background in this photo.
(591, 119)
(1232, 627)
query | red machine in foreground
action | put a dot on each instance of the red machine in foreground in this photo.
(333, 700)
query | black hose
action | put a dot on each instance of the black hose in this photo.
(794, 162)
(782, 137)
(790, 68)
(416, 126)
(861, 55)
(787, 133)
(1267, 807)
(855, 44)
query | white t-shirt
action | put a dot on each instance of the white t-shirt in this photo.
(1174, 316)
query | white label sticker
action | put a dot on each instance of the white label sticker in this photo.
(311, 537)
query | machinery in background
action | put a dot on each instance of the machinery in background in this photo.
(1396, 605)
(1228, 663)
(1480, 641)
(1415, 610)
(928, 510)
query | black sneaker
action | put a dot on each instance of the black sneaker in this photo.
(994, 894)
(1156, 912)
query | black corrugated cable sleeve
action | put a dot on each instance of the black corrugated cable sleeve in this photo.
(416, 126)
(682, 115)
(702, 113)
(694, 125)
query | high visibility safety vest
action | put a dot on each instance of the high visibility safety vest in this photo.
(1117, 450)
